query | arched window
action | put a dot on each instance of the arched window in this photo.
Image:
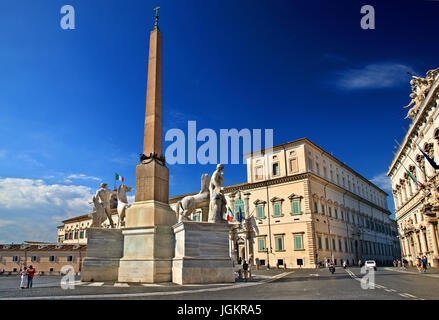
(239, 203)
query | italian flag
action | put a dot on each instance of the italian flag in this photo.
(415, 180)
(120, 178)
(229, 215)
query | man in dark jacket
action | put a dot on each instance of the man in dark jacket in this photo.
(245, 268)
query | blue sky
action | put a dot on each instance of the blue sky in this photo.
(72, 102)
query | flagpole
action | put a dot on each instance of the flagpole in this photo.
(425, 193)
(407, 156)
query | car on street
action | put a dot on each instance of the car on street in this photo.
(371, 264)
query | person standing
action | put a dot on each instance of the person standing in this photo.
(23, 278)
(245, 269)
(424, 263)
(418, 264)
(30, 276)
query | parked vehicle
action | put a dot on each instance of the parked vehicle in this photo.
(371, 264)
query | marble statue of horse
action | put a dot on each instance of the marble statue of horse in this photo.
(122, 203)
(187, 205)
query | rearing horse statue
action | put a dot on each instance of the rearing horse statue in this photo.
(122, 203)
(190, 203)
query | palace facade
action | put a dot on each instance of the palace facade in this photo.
(303, 207)
(414, 180)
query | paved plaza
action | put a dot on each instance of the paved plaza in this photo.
(306, 284)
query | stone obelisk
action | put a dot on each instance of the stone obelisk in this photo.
(148, 236)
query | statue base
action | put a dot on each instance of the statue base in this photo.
(202, 253)
(148, 243)
(104, 250)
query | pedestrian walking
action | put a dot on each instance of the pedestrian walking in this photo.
(419, 264)
(30, 276)
(245, 269)
(23, 278)
(424, 263)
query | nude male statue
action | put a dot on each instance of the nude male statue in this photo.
(217, 180)
(217, 199)
(104, 196)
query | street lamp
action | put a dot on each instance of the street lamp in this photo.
(268, 259)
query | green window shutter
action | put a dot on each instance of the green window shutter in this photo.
(330, 211)
(260, 212)
(298, 242)
(333, 245)
(261, 244)
(316, 208)
(323, 209)
(296, 207)
(320, 242)
(279, 244)
(336, 213)
(327, 243)
(277, 212)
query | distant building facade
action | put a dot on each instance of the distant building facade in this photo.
(46, 258)
(303, 207)
(74, 230)
(414, 180)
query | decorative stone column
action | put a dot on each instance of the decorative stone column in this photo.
(232, 202)
(423, 242)
(434, 244)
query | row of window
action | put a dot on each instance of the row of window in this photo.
(293, 167)
(279, 242)
(364, 222)
(349, 245)
(34, 258)
(74, 235)
(354, 187)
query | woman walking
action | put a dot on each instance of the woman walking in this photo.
(23, 278)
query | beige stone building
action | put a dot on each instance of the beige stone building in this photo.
(46, 258)
(74, 230)
(303, 207)
(414, 180)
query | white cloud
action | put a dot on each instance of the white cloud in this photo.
(82, 176)
(374, 76)
(32, 209)
(6, 222)
(382, 181)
